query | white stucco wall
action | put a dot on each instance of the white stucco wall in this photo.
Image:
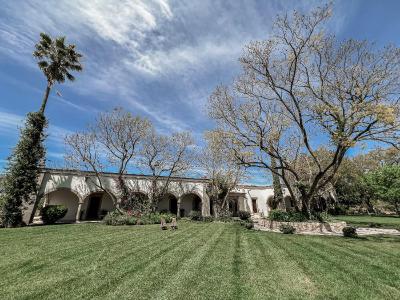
(56, 184)
(66, 198)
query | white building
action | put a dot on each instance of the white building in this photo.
(85, 201)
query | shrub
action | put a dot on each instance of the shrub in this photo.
(208, 219)
(53, 213)
(374, 225)
(244, 215)
(168, 217)
(350, 231)
(249, 225)
(321, 217)
(116, 218)
(287, 229)
(195, 215)
(283, 216)
(131, 220)
(224, 219)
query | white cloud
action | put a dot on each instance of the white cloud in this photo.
(129, 43)
(11, 123)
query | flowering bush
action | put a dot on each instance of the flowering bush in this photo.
(129, 218)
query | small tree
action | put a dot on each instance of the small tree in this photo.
(113, 141)
(221, 168)
(164, 157)
(20, 181)
(384, 183)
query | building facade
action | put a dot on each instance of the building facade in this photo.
(78, 191)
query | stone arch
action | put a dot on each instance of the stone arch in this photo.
(190, 202)
(96, 205)
(169, 203)
(64, 196)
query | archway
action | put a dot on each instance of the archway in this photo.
(190, 202)
(96, 206)
(169, 203)
(66, 198)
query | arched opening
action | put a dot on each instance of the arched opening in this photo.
(66, 198)
(233, 205)
(169, 203)
(96, 206)
(190, 202)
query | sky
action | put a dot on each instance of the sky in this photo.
(159, 59)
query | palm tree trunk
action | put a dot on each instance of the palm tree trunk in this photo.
(46, 96)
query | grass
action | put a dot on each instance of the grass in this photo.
(199, 261)
(364, 221)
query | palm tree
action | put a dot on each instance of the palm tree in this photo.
(56, 60)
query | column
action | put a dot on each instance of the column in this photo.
(205, 204)
(178, 207)
(46, 200)
(78, 212)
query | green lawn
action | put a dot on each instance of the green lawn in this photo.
(199, 261)
(364, 221)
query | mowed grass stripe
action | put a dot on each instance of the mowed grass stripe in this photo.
(199, 261)
(151, 278)
(117, 266)
(185, 279)
(326, 261)
(76, 268)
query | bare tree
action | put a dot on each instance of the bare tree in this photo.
(219, 164)
(303, 88)
(165, 157)
(113, 142)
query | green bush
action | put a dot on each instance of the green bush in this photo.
(287, 229)
(195, 215)
(208, 219)
(225, 219)
(321, 217)
(350, 231)
(116, 218)
(131, 220)
(53, 213)
(244, 215)
(249, 225)
(283, 216)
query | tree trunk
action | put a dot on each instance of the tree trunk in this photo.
(278, 195)
(46, 96)
(397, 208)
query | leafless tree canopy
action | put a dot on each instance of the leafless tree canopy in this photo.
(220, 166)
(303, 86)
(118, 141)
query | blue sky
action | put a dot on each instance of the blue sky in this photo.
(160, 59)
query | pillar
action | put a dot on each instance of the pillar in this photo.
(78, 212)
(178, 207)
(205, 204)
(46, 200)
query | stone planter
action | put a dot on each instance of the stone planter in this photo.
(304, 227)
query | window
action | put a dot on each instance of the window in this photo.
(254, 203)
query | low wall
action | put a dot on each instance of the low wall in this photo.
(315, 227)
